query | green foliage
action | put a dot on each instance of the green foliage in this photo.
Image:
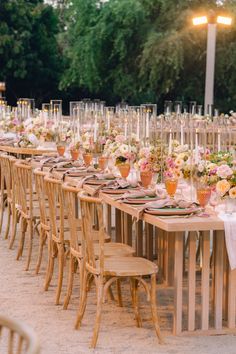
(29, 56)
(146, 50)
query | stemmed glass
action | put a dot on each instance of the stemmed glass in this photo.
(203, 197)
(171, 186)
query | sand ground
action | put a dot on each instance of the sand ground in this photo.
(22, 297)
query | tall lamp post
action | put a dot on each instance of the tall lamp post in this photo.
(212, 20)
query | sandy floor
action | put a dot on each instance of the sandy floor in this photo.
(22, 297)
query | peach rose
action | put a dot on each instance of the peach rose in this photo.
(232, 193)
(222, 187)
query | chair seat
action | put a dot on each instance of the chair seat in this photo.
(128, 266)
(95, 234)
(113, 249)
(67, 235)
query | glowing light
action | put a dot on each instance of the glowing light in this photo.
(224, 20)
(200, 20)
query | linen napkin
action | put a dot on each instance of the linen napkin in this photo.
(141, 193)
(167, 202)
(230, 236)
(98, 176)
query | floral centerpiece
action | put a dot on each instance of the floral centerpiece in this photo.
(107, 136)
(87, 143)
(28, 140)
(226, 185)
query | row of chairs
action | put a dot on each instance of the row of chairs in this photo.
(71, 223)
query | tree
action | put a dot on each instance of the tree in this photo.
(30, 61)
(145, 50)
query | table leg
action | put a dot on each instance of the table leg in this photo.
(191, 280)
(149, 241)
(205, 238)
(178, 283)
(168, 257)
(118, 225)
(127, 227)
(159, 238)
(219, 272)
(139, 238)
(231, 298)
(109, 219)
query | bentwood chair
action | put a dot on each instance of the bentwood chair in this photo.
(9, 199)
(17, 337)
(44, 227)
(59, 230)
(102, 268)
(27, 207)
(111, 249)
(59, 240)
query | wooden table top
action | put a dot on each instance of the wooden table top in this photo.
(193, 223)
(25, 151)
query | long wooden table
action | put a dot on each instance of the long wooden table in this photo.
(25, 151)
(177, 258)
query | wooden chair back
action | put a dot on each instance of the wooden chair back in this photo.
(42, 197)
(71, 203)
(7, 162)
(24, 188)
(17, 338)
(53, 188)
(88, 205)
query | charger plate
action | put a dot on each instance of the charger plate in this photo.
(172, 211)
(140, 200)
(96, 182)
(117, 191)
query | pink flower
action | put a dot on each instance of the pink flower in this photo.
(15, 121)
(120, 139)
(224, 171)
(170, 162)
(168, 174)
(213, 172)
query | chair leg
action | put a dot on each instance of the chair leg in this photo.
(99, 284)
(42, 239)
(119, 294)
(134, 296)
(50, 265)
(83, 295)
(22, 238)
(3, 206)
(154, 309)
(49, 273)
(70, 282)
(8, 221)
(14, 225)
(61, 256)
(31, 231)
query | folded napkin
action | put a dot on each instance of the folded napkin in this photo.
(65, 163)
(141, 193)
(230, 236)
(117, 184)
(167, 203)
(98, 176)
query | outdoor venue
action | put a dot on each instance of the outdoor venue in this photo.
(117, 176)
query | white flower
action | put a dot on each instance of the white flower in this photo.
(224, 171)
(201, 167)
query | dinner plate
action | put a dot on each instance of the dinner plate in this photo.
(116, 191)
(140, 200)
(98, 181)
(172, 211)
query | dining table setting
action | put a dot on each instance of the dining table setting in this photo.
(167, 185)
